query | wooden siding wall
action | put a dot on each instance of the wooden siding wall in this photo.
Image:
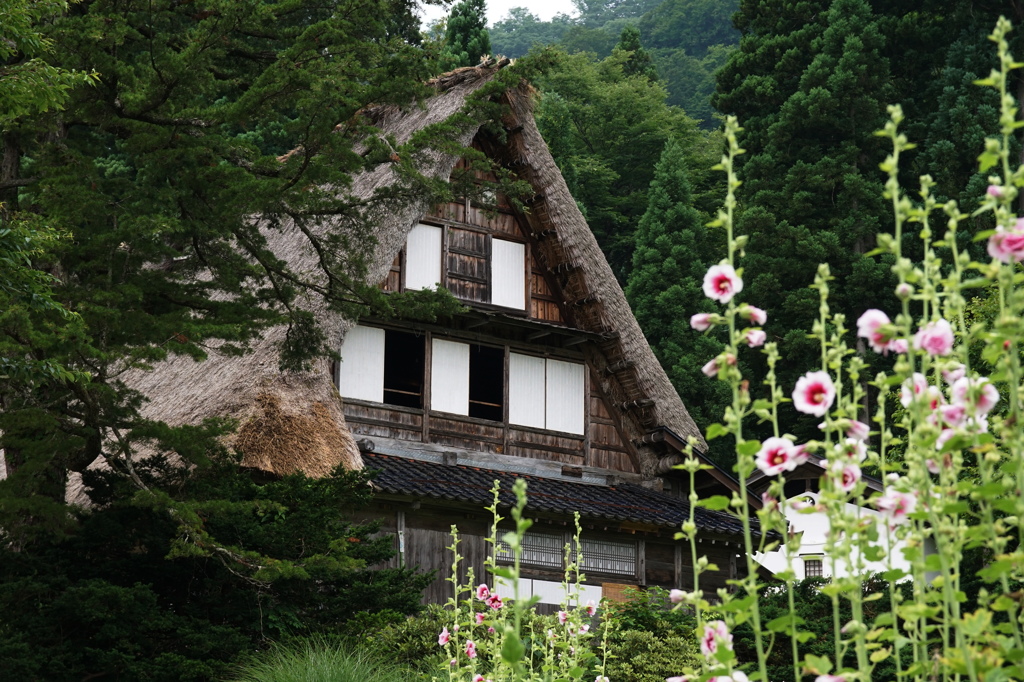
(665, 563)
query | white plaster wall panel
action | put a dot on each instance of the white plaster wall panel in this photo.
(362, 364)
(526, 404)
(564, 396)
(449, 377)
(423, 257)
(508, 274)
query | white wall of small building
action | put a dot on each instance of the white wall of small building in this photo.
(814, 526)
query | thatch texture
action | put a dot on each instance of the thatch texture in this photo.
(294, 421)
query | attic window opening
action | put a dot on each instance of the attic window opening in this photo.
(813, 568)
(544, 551)
(601, 556)
(486, 388)
(403, 369)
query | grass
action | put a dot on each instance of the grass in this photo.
(319, 661)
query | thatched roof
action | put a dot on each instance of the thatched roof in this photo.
(294, 421)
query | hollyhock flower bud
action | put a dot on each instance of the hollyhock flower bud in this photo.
(490, 630)
(443, 638)
(935, 338)
(869, 326)
(895, 506)
(754, 314)
(904, 291)
(858, 430)
(995, 191)
(769, 503)
(754, 337)
(814, 393)
(702, 321)
(978, 393)
(454, 662)
(829, 678)
(721, 283)
(711, 368)
(716, 633)
(482, 592)
(676, 596)
(1008, 245)
(775, 456)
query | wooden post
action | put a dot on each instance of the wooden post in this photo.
(400, 527)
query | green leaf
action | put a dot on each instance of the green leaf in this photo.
(512, 649)
(716, 502)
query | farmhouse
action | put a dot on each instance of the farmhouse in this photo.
(545, 376)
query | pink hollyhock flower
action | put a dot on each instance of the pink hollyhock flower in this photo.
(852, 449)
(490, 630)
(455, 628)
(454, 662)
(480, 618)
(1007, 245)
(775, 456)
(585, 628)
(829, 678)
(814, 393)
(933, 466)
(754, 337)
(858, 430)
(951, 375)
(702, 321)
(478, 678)
(943, 438)
(995, 191)
(680, 678)
(482, 592)
(769, 503)
(895, 506)
(721, 283)
(847, 474)
(800, 503)
(737, 676)
(869, 326)
(753, 313)
(494, 601)
(800, 455)
(676, 596)
(898, 346)
(912, 388)
(562, 617)
(715, 632)
(470, 648)
(443, 638)
(935, 338)
(591, 608)
(601, 678)
(953, 415)
(978, 393)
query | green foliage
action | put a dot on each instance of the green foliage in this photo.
(317, 660)
(604, 127)
(641, 656)
(466, 37)
(639, 61)
(520, 31)
(649, 610)
(136, 594)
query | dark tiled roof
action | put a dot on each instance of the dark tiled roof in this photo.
(625, 502)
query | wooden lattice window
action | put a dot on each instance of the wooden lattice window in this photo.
(602, 556)
(545, 551)
(813, 568)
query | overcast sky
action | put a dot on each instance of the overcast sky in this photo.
(498, 9)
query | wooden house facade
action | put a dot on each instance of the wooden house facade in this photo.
(545, 376)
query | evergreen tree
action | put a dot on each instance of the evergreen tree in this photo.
(639, 61)
(673, 251)
(466, 37)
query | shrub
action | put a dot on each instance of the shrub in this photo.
(316, 660)
(640, 656)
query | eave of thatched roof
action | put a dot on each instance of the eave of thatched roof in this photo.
(294, 421)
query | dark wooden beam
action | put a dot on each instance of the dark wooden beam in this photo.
(636, 404)
(617, 367)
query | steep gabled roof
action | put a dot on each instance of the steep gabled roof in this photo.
(294, 421)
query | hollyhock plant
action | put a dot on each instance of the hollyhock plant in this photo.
(977, 393)
(895, 506)
(1008, 245)
(776, 456)
(721, 283)
(444, 637)
(494, 601)
(716, 633)
(935, 338)
(482, 592)
(814, 393)
(712, 367)
(470, 648)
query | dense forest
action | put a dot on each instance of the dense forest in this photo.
(137, 138)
